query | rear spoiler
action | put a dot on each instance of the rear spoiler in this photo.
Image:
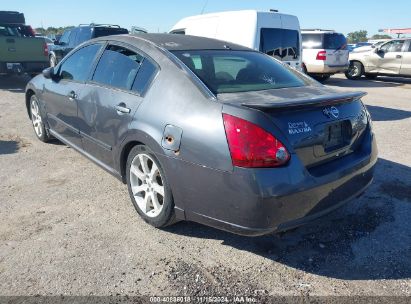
(322, 100)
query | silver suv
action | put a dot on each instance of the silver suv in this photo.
(392, 58)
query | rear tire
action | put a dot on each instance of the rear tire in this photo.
(322, 78)
(355, 70)
(148, 188)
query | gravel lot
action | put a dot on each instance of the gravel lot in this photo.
(67, 227)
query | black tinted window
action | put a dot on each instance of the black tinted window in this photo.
(280, 43)
(118, 67)
(312, 41)
(334, 41)
(84, 34)
(108, 31)
(77, 66)
(144, 76)
(239, 71)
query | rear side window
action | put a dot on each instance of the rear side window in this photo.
(280, 43)
(334, 41)
(239, 71)
(124, 69)
(312, 41)
(77, 67)
(118, 67)
(144, 76)
(108, 31)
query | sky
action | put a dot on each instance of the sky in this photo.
(160, 15)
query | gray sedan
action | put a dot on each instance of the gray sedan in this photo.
(207, 131)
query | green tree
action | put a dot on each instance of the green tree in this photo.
(379, 36)
(358, 36)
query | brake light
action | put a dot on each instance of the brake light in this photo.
(45, 49)
(322, 55)
(251, 146)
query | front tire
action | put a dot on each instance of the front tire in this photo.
(355, 71)
(37, 120)
(149, 190)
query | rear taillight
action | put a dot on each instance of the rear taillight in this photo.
(45, 49)
(251, 146)
(322, 55)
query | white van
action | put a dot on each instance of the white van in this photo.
(270, 32)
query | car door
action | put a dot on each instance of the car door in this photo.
(63, 93)
(406, 60)
(113, 96)
(389, 57)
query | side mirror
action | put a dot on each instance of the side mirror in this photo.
(56, 42)
(49, 73)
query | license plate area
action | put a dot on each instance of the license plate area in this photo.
(337, 135)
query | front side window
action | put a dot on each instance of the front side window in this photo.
(84, 34)
(77, 67)
(282, 44)
(393, 46)
(65, 38)
(118, 67)
(239, 71)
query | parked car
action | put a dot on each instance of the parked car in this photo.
(20, 51)
(275, 34)
(75, 36)
(392, 58)
(269, 147)
(324, 53)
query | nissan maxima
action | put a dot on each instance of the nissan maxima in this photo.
(207, 131)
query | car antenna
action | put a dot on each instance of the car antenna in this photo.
(204, 6)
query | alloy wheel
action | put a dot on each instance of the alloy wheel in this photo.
(147, 185)
(36, 118)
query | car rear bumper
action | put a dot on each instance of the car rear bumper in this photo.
(23, 67)
(260, 201)
(327, 69)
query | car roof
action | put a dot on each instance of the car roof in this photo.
(177, 42)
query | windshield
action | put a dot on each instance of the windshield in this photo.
(108, 31)
(239, 71)
(280, 43)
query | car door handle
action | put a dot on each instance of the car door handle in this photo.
(122, 109)
(399, 56)
(72, 96)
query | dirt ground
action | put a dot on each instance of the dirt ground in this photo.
(67, 227)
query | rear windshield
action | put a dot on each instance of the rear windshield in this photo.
(332, 41)
(280, 43)
(16, 31)
(239, 71)
(108, 31)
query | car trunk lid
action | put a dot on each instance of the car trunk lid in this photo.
(319, 123)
